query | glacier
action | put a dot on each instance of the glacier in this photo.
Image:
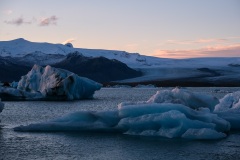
(208, 71)
(49, 83)
(173, 113)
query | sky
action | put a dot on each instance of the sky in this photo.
(162, 28)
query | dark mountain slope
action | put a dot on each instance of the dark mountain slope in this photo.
(10, 71)
(99, 69)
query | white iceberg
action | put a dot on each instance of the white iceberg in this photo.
(171, 119)
(230, 102)
(229, 109)
(50, 83)
(185, 97)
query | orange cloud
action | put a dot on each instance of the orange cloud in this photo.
(211, 51)
(69, 41)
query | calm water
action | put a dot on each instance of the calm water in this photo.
(17, 145)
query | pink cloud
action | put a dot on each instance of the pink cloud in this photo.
(211, 51)
(210, 40)
(48, 21)
(200, 41)
(7, 12)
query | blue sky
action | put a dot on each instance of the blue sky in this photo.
(164, 28)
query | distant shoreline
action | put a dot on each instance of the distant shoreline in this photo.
(177, 82)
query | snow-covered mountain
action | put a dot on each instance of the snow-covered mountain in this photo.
(47, 53)
(21, 47)
(170, 71)
(53, 53)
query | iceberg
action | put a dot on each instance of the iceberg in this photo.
(169, 120)
(160, 116)
(49, 83)
(230, 102)
(185, 97)
(229, 109)
(13, 94)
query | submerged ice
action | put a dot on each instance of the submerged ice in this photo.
(51, 84)
(173, 113)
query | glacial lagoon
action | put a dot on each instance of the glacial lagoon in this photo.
(82, 145)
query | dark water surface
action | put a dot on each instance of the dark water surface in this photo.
(59, 145)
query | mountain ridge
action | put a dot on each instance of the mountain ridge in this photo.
(205, 70)
(20, 47)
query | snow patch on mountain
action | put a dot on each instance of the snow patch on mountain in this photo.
(21, 47)
(40, 58)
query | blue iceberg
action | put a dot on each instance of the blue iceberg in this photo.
(161, 116)
(49, 83)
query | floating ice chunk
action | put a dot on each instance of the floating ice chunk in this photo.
(185, 97)
(230, 102)
(165, 120)
(79, 121)
(232, 117)
(170, 114)
(16, 94)
(229, 109)
(51, 84)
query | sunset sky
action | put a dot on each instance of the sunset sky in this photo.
(163, 28)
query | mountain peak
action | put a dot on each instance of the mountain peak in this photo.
(20, 40)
